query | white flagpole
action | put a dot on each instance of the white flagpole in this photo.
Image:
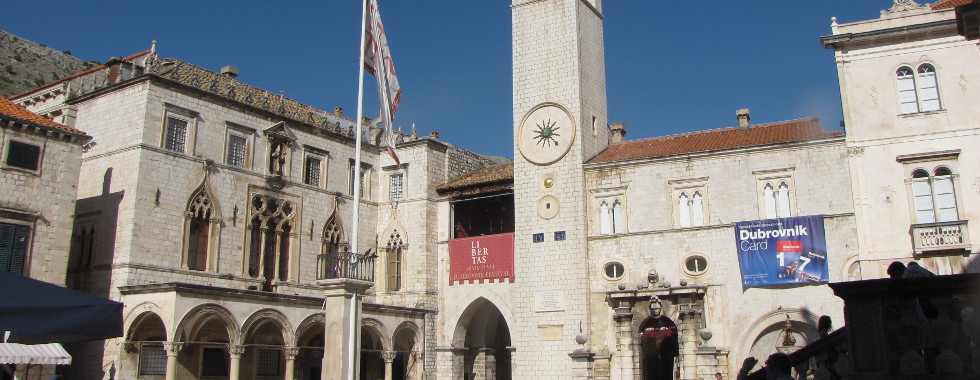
(355, 335)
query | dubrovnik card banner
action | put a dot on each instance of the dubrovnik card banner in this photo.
(782, 251)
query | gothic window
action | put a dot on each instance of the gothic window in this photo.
(918, 90)
(394, 259)
(23, 156)
(333, 236)
(611, 219)
(271, 231)
(776, 195)
(934, 196)
(605, 220)
(690, 209)
(14, 241)
(202, 226)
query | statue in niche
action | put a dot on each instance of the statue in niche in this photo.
(658, 340)
(277, 159)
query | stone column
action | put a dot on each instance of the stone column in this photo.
(388, 357)
(625, 344)
(235, 351)
(290, 353)
(342, 319)
(417, 368)
(172, 348)
(687, 341)
(485, 364)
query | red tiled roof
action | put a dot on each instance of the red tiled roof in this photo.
(80, 73)
(491, 178)
(717, 139)
(946, 4)
(9, 109)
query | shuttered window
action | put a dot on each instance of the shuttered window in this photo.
(14, 239)
(909, 102)
(927, 88)
(24, 156)
(934, 197)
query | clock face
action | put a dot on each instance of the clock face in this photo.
(546, 134)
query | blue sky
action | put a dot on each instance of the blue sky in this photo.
(671, 66)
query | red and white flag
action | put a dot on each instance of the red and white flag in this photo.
(377, 61)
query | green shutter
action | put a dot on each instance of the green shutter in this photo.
(13, 247)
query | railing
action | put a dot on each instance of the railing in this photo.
(943, 236)
(345, 265)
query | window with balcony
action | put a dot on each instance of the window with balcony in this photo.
(932, 179)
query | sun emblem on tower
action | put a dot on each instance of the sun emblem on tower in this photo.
(546, 133)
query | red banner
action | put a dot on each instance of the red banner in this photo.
(481, 258)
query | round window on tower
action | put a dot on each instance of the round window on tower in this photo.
(613, 271)
(695, 264)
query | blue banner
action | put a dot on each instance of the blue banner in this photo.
(782, 251)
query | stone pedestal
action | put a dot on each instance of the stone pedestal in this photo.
(582, 360)
(341, 317)
(711, 360)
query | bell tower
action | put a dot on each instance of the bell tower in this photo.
(559, 123)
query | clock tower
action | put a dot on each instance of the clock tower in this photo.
(559, 124)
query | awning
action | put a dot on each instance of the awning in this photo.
(51, 353)
(37, 312)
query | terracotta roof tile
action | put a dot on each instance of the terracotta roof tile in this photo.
(78, 74)
(946, 4)
(717, 139)
(10, 110)
(499, 177)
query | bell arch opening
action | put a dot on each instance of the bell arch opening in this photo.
(484, 333)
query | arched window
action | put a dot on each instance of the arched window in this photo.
(618, 223)
(201, 228)
(691, 209)
(270, 235)
(918, 90)
(909, 102)
(934, 196)
(684, 209)
(777, 200)
(928, 88)
(333, 237)
(394, 261)
(605, 222)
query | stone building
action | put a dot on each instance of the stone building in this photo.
(38, 180)
(911, 118)
(212, 209)
(205, 205)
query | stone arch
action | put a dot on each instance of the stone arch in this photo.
(138, 314)
(405, 342)
(375, 346)
(483, 339)
(310, 336)
(310, 322)
(451, 330)
(206, 190)
(261, 316)
(394, 229)
(200, 313)
(804, 321)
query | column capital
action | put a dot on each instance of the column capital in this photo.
(236, 350)
(388, 356)
(290, 352)
(173, 348)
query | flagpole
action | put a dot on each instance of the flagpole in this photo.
(355, 336)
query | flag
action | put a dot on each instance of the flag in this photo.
(377, 61)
